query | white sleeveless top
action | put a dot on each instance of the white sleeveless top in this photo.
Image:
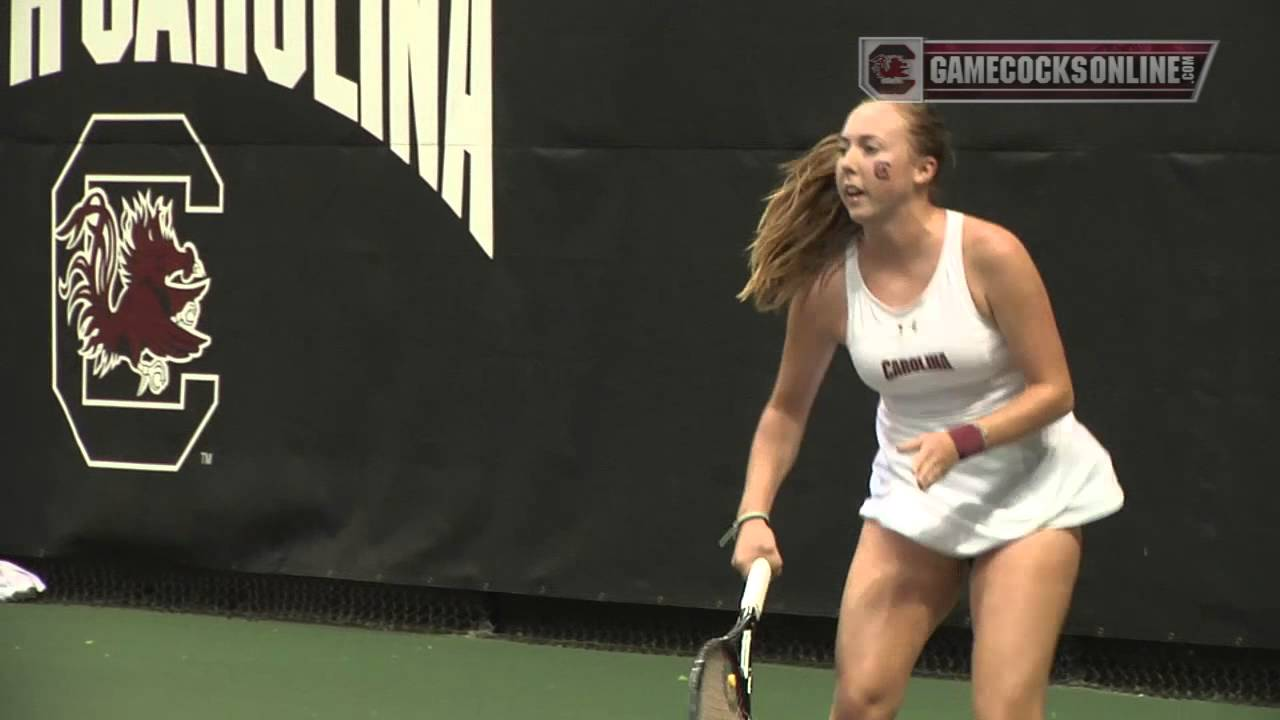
(938, 363)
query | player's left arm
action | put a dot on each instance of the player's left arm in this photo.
(1019, 304)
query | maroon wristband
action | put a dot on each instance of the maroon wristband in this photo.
(968, 440)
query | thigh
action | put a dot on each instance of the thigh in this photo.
(1019, 597)
(896, 594)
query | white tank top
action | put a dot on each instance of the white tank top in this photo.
(936, 360)
(937, 363)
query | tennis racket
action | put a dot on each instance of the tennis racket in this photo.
(720, 682)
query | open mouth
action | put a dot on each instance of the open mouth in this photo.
(853, 193)
(190, 279)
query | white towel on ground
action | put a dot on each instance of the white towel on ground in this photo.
(17, 583)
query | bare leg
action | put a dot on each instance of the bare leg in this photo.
(896, 594)
(1020, 594)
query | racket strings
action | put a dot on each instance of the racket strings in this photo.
(719, 697)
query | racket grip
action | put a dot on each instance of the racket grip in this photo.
(757, 586)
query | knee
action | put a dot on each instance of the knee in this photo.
(859, 701)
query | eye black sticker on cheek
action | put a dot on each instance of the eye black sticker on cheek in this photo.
(882, 169)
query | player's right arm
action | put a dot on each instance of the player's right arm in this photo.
(811, 340)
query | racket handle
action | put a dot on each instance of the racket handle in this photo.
(757, 586)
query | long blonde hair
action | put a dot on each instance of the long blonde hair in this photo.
(803, 229)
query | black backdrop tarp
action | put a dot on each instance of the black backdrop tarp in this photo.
(572, 417)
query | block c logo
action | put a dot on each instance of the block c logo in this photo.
(128, 291)
(891, 68)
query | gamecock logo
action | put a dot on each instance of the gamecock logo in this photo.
(129, 291)
(890, 69)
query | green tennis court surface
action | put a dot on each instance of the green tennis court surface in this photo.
(61, 662)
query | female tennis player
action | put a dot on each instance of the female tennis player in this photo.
(983, 472)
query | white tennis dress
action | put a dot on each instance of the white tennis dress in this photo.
(936, 364)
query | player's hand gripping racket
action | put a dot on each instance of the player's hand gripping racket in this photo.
(720, 683)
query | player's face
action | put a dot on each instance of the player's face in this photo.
(878, 170)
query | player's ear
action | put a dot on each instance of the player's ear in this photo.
(926, 169)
